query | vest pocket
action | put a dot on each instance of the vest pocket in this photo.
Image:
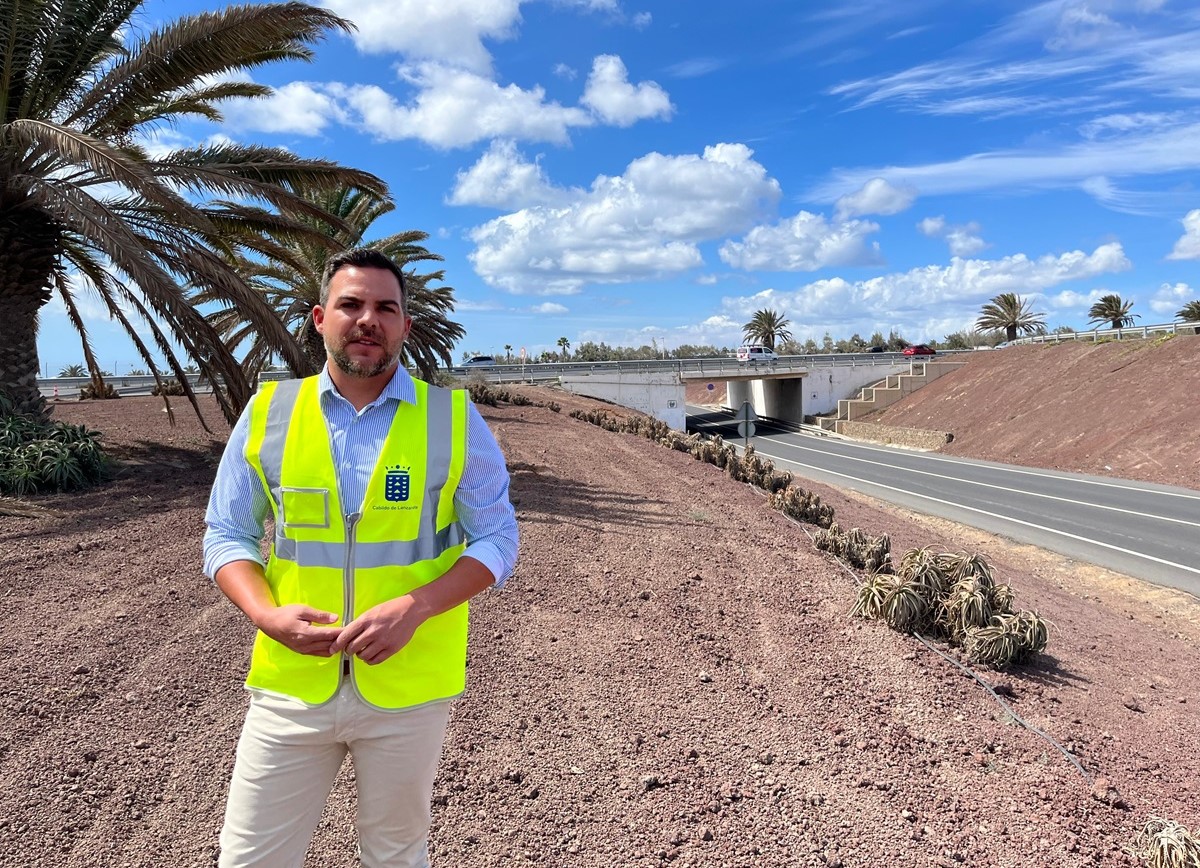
(304, 507)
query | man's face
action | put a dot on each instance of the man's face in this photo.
(363, 322)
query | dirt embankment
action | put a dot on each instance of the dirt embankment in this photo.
(1125, 409)
(670, 677)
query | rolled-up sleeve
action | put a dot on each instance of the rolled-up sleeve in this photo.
(237, 507)
(482, 502)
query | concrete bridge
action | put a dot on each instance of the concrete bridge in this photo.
(786, 390)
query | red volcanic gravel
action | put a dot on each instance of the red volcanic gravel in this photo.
(671, 676)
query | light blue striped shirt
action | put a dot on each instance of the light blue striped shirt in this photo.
(238, 505)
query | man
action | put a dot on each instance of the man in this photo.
(390, 505)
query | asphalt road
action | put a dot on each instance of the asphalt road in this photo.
(1139, 529)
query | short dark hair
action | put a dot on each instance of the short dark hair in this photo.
(361, 257)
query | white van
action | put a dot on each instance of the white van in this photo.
(756, 353)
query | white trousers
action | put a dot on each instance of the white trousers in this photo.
(288, 757)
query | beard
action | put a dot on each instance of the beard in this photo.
(337, 352)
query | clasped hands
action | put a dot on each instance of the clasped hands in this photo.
(373, 636)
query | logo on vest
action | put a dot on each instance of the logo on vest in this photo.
(396, 484)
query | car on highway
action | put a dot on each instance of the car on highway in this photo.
(876, 349)
(755, 353)
(919, 350)
(480, 362)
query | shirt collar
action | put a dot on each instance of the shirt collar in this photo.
(400, 387)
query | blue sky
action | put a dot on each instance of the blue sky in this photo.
(626, 171)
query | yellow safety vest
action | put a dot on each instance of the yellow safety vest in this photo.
(405, 535)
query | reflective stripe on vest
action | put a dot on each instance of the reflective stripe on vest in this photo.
(405, 535)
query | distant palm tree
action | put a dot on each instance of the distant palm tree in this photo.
(84, 201)
(766, 327)
(1113, 310)
(73, 371)
(564, 345)
(287, 272)
(1190, 312)
(508, 352)
(1009, 313)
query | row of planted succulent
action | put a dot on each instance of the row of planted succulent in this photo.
(1165, 844)
(949, 596)
(37, 456)
(952, 597)
(745, 466)
(492, 396)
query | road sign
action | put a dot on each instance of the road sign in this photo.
(745, 430)
(710, 387)
(522, 354)
(746, 413)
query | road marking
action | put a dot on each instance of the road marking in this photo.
(1067, 534)
(1008, 468)
(990, 485)
(1029, 471)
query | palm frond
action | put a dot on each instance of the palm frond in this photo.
(196, 47)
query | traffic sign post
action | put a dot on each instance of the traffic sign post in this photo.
(746, 417)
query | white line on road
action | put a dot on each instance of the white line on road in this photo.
(1011, 468)
(1030, 524)
(989, 484)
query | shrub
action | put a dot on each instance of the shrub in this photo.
(37, 457)
(168, 387)
(91, 393)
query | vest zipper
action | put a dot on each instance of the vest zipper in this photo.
(348, 578)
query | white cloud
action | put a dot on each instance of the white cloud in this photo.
(1124, 123)
(449, 31)
(1070, 300)
(1169, 298)
(963, 240)
(876, 196)
(502, 178)
(1106, 48)
(455, 108)
(641, 224)
(1141, 153)
(614, 100)
(1188, 246)
(296, 107)
(932, 300)
(932, 227)
(805, 242)
(562, 70)
(549, 307)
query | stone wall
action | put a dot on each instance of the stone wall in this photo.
(914, 438)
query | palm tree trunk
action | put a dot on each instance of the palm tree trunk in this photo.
(28, 251)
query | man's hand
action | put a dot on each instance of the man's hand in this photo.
(381, 631)
(298, 627)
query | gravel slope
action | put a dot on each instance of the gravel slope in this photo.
(670, 676)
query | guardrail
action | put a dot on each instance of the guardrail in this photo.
(68, 387)
(505, 373)
(1131, 333)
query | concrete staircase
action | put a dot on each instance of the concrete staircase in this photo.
(888, 391)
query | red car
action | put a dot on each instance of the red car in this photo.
(919, 350)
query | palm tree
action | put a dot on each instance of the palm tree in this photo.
(73, 371)
(287, 272)
(564, 345)
(766, 327)
(508, 352)
(1112, 309)
(1010, 313)
(85, 203)
(1190, 312)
